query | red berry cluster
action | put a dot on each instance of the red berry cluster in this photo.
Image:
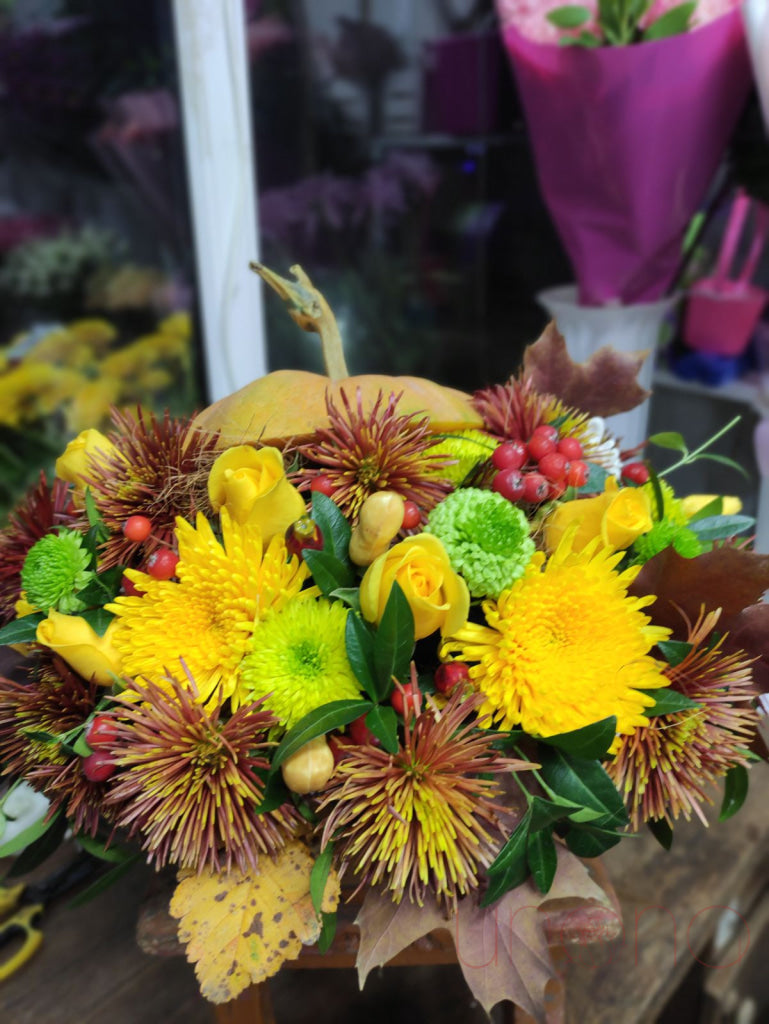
(161, 564)
(635, 473)
(100, 735)
(540, 468)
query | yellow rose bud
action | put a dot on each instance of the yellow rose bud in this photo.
(74, 464)
(437, 596)
(692, 503)
(618, 517)
(90, 655)
(252, 484)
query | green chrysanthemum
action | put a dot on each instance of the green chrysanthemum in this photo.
(663, 535)
(672, 509)
(487, 539)
(298, 660)
(55, 569)
(466, 450)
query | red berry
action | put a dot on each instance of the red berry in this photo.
(541, 445)
(304, 533)
(407, 695)
(340, 747)
(101, 731)
(411, 515)
(137, 528)
(556, 488)
(635, 473)
(546, 430)
(129, 588)
(510, 455)
(570, 447)
(578, 473)
(448, 676)
(360, 733)
(554, 466)
(509, 483)
(535, 488)
(98, 766)
(322, 483)
(161, 564)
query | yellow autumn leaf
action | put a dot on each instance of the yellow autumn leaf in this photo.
(239, 929)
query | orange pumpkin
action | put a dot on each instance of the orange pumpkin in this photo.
(289, 404)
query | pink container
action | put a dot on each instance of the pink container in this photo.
(722, 313)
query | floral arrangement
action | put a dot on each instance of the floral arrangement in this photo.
(375, 638)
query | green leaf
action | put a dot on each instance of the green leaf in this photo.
(596, 480)
(327, 931)
(672, 23)
(569, 16)
(112, 854)
(80, 746)
(394, 641)
(585, 782)
(359, 645)
(319, 876)
(544, 812)
(674, 651)
(102, 588)
(274, 794)
(41, 736)
(94, 516)
(735, 791)
(586, 39)
(333, 525)
(713, 508)
(721, 527)
(669, 439)
(318, 722)
(383, 722)
(591, 840)
(36, 843)
(661, 831)
(668, 702)
(542, 859)
(328, 571)
(659, 500)
(724, 460)
(21, 631)
(591, 741)
(98, 619)
(104, 881)
(511, 868)
(347, 595)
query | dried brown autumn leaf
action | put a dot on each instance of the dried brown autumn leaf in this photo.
(604, 385)
(502, 949)
(239, 929)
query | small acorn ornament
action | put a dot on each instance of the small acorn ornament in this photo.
(310, 768)
(380, 519)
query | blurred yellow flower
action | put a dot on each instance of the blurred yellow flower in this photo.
(74, 463)
(91, 405)
(692, 503)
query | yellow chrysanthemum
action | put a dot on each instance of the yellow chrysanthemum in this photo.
(208, 617)
(564, 646)
(299, 661)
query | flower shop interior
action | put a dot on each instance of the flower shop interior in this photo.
(452, 176)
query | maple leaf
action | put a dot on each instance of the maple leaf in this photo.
(502, 949)
(604, 385)
(239, 928)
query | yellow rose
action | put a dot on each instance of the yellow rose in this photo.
(252, 484)
(90, 655)
(618, 517)
(74, 463)
(692, 504)
(437, 596)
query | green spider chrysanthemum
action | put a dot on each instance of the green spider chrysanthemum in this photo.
(465, 451)
(298, 660)
(487, 539)
(55, 569)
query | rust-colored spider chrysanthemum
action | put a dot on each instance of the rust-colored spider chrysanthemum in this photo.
(663, 769)
(44, 508)
(188, 781)
(53, 700)
(159, 470)
(423, 818)
(363, 453)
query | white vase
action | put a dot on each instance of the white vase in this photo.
(633, 328)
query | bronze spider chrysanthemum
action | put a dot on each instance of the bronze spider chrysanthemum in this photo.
(159, 470)
(363, 453)
(188, 782)
(663, 769)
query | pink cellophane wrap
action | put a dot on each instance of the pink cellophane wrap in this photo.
(626, 142)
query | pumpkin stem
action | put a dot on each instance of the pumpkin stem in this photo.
(308, 309)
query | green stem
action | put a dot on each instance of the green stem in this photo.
(690, 457)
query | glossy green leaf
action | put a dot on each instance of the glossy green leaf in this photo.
(328, 571)
(585, 782)
(662, 832)
(333, 525)
(721, 527)
(383, 722)
(724, 460)
(111, 854)
(668, 702)
(91, 511)
(659, 500)
(713, 508)
(359, 645)
(510, 868)
(81, 747)
(569, 16)
(105, 881)
(394, 641)
(347, 595)
(21, 631)
(98, 619)
(542, 859)
(317, 723)
(591, 840)
(327, 931)
(319, 876)
(591, 741)
(274, 794)
(673, 22)
(545, 813)
(674, 651)
(735, 791)
(38, 842)
(669, 439)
